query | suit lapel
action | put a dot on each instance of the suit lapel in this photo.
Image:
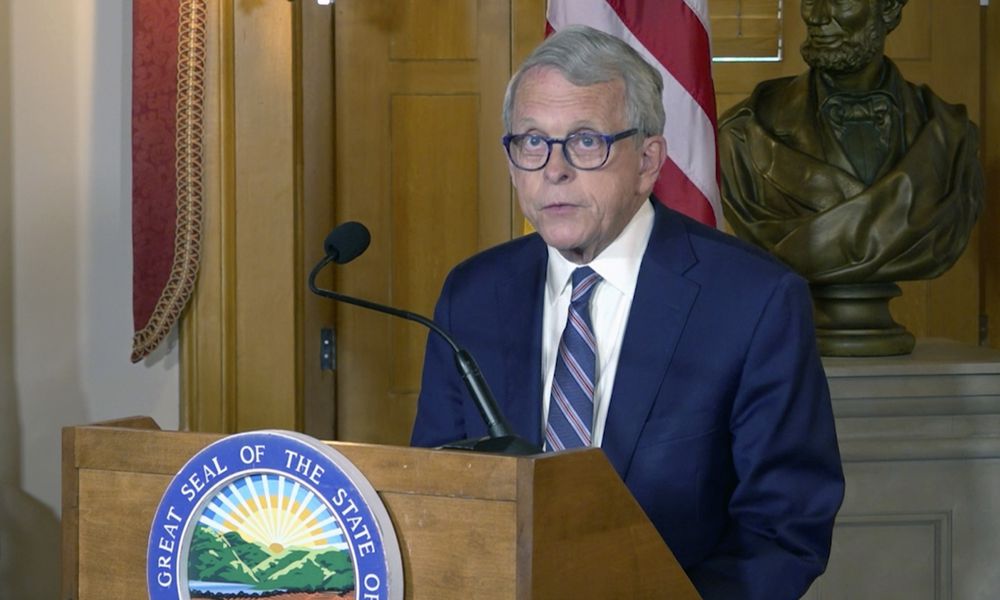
(663, 299)
(520, 300)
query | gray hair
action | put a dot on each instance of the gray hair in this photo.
(586, 56)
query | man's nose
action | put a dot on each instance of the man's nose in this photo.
(558, 170)
(816, 12)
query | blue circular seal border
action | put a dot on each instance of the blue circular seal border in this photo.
(378, 570)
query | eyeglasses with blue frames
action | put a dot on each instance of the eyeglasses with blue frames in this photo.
(584, 150)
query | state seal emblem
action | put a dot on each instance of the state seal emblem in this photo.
(272, 514)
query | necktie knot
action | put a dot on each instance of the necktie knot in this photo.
(875, 108)
(863, 125)
(584, 280)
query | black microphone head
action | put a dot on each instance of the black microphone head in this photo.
(346, 242)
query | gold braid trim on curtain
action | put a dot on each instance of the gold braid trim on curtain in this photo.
(191, 51)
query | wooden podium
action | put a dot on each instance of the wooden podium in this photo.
(469, 525)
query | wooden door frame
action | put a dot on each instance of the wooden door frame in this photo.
(251, 327)
(990, 154)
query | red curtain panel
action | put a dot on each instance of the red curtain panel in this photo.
(168, 67)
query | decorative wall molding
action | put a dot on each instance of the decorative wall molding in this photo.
(920, 442)
(940, 403)
(913, 557)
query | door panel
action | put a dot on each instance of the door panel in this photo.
(419, 89)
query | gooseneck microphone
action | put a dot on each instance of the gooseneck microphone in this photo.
(348, 241)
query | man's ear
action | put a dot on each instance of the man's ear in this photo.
(510, 169)
(653, 155)
(892, 12)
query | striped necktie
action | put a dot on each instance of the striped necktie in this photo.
(571, 407)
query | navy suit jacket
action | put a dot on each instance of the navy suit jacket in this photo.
(720, 421)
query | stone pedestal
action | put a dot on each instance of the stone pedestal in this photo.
(920, 440)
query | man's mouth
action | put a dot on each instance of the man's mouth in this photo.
(558, 207)
(825, 40)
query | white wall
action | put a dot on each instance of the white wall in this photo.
(65, 263)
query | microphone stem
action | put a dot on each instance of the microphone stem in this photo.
(374, 306)
(496, 425)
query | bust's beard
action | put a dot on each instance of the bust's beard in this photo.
(852, 55)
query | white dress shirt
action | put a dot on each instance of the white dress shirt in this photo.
(618, 266)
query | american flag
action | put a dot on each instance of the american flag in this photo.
(673, 36)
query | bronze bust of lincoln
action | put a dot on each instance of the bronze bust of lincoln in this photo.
(851, 175)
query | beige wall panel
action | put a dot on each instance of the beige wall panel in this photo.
(361, 57)
(527, 28)
(208, 329)
(265, 217)
(499, 219)
(950, 304)
(420, 163)
(731, 27)
(433, 173)
(434, 30)
(912, 40)
(527, 31)
(954, 52)
(433, 77)
(752, 45)
(752, 7)
(990, 227)
(314, 168)
(724, 102)
(742, 28)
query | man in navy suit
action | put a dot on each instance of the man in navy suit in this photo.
(707, 394)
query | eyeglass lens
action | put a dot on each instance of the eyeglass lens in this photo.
(582, 150)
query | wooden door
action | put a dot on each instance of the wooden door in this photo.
(418, 90)
(990, 252)
(937, 43)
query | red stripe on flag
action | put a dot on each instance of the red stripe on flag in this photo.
(675, 35)
(675, 190)
(670, 34)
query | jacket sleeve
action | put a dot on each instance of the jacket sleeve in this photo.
(790, 483)
(439, 407)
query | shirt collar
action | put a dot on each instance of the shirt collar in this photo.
(618, 264)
